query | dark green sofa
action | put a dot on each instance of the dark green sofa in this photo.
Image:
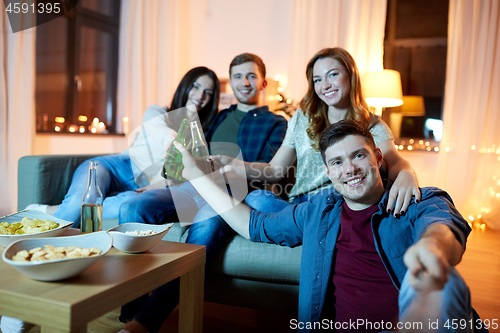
(244, 273)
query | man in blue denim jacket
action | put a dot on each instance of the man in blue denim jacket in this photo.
(411, 257)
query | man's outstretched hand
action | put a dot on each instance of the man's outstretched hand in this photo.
(428, 266)
(429, 260)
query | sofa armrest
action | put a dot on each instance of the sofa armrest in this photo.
(45, 179)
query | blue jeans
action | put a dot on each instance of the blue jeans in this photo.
(170, 205)
(269, 202)
(116, 181)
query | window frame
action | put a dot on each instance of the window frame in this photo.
(77, 18)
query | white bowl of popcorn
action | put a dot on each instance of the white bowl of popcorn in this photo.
(30, 224)
(57, 258)
(138, 237)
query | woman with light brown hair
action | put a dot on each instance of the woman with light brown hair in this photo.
(334, 93)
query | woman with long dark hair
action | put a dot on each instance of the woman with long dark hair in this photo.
(122, 176)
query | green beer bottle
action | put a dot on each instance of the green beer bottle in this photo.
(199, 149)
(172, 167)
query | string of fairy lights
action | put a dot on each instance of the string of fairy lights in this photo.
(493, 190)
(420, 145)
(474, 220)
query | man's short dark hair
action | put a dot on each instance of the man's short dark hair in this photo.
(339, 131)
(249, 57)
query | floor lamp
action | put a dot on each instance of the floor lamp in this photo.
(383, 90)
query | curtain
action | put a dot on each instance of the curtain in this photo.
(154, 53)
(355, 25)
(17, 106)
(469, 160)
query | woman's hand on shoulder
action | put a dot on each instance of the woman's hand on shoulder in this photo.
(405, 180)
(404, 188)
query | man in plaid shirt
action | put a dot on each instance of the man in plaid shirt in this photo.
(248, 130)
(248, 125)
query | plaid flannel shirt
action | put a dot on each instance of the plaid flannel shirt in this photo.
(260, 134)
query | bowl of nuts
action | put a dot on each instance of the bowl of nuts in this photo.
(57, 258)
(138, 237)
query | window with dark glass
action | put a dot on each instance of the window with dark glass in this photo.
(416, 46)
(76, 70)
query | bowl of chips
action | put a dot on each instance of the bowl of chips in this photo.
(138, 237)
(30, 224)
(57, 258)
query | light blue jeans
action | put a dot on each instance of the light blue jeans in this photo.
(269, 202)
(116, 181)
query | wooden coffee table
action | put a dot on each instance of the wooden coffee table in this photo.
(118, 278)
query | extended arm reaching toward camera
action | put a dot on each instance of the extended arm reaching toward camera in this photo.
(236, 216)
(430, 259)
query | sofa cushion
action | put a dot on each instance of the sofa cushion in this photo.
(245, 259)
(249, 260)
(45, 179)
(176, 234)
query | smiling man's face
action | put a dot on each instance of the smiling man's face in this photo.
(247, 83)
(353, 167)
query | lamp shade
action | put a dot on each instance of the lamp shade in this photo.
(413, 106)
(383, 89)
